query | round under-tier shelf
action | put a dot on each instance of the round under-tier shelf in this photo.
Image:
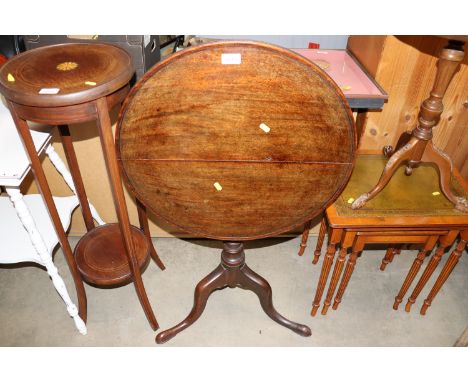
(101, 258)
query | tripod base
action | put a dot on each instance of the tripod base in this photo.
(232, 272)
(417, 147)
(407, 154)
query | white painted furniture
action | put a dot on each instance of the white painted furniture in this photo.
(26, 230)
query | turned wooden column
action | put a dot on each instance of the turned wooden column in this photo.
(418, 147)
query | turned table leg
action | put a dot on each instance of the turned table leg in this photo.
(335, 237)
(357, 248)
(346, 243)
(445, 241)
(445, 273)
(430, 243)
(320, 238)
(304, 238)
(389, 255)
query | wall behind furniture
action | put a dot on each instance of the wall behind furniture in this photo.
(326, 42)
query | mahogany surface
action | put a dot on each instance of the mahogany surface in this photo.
(88, 79)
(101, 258)
(236, 152)
(81, 72)
(192, 121)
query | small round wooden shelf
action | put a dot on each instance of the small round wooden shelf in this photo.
(101, 259)
(68, 84)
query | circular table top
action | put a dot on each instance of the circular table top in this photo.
(236, 140)
(65, 74)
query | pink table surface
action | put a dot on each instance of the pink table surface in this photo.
(345, 72)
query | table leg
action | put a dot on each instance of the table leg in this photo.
(110, 157)
(143, 220)
(304, 238)
(39, 176)
(389, 255)
(420, 147)
(444, 165)
(445, 241)
(357, 248)
(36, 239)
(320, 238)
(448, 268)
(346, 243)
(430, 243)
(392, 165)
(335, 237)
(76, 183)
(67, 177)
(232, 272)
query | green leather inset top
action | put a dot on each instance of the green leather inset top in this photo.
(416, 195)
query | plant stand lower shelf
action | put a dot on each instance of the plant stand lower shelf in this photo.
(101, 258)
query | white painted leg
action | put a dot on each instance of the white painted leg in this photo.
(45, 257)
(63, 170)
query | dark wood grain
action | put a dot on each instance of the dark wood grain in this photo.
(232, 272)
(107, 66)
(191, 122)
(101, 259)
(236, 152)
(91, 79)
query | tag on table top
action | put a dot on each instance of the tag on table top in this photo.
(231, 58)
(49, 91)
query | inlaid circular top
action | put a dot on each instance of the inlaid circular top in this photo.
(236, 140)
(65, 74)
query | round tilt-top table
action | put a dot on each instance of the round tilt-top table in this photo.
(236, 141)
(73, 83)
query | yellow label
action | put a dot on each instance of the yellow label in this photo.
(350, 200)
(90, 83)
(346, 87)
(68, 65)
(217, 186)
(435, 193)
(10, 77)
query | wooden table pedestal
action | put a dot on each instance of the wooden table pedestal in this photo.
(232, 272)
(417, 147)
(242, 141)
